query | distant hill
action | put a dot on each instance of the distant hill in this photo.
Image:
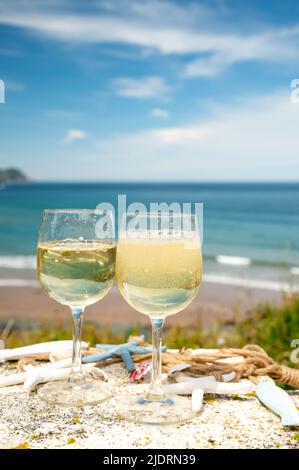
(12, 175)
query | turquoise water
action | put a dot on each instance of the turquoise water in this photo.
(256, 221)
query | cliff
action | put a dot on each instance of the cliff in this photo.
(12, 175)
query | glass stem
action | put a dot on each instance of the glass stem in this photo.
(155, 392)
(76, 376)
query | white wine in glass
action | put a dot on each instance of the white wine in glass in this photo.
(76, 267)
(158, 273)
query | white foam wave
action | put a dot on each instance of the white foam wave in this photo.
(19, 283)
(233, 260)
(18, 262)
(251, 283)
(295, 271)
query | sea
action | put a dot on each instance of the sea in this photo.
(250, 230)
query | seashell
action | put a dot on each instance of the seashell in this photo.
(279, 401)
(197, 398)
(140, 371)
(50, 347)
(98, 374)
(178, 368)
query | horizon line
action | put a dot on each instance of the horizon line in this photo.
(40, 181)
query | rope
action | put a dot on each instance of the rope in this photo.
(256, 362)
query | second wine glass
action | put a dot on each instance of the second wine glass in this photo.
(158, 270)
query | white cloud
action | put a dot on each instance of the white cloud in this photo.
(160, 26)
(208, 67)
(180, 135)
(253, 139)
(160, 113)
(74, 134)
(141, 88)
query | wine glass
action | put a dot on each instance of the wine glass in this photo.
(158, 271)
(76, 267)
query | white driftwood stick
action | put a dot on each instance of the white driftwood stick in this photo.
(197, 399)
(51, 372)
(39, 375)
(41, 348)
(210, 386)
(12, 379)
(19, 378)
(187, 387)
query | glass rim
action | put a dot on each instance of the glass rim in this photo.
(74, 211)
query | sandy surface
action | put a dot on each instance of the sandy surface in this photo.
(222, 423)
(213, 302)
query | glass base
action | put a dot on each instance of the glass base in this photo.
(171, 410)
(61, 393)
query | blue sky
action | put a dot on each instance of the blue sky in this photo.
(150, 90)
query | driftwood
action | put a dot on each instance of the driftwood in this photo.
(248, 362)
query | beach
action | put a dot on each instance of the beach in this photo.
(149, 228)
(214, 304)
(224, 422)
(249, 235)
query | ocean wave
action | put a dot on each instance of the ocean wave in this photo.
(209, 278)
(233, 260)
(251, 283)
(246, 261)
(18, 262)
(19, 283)
(295, 271)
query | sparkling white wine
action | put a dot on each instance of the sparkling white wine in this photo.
(159, 277)
(76, 273)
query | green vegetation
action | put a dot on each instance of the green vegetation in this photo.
(61, 330)
(273, 328)
(12, 175)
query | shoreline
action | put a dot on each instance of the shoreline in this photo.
(236, 271)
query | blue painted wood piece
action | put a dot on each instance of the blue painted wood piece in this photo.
(124, 351)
